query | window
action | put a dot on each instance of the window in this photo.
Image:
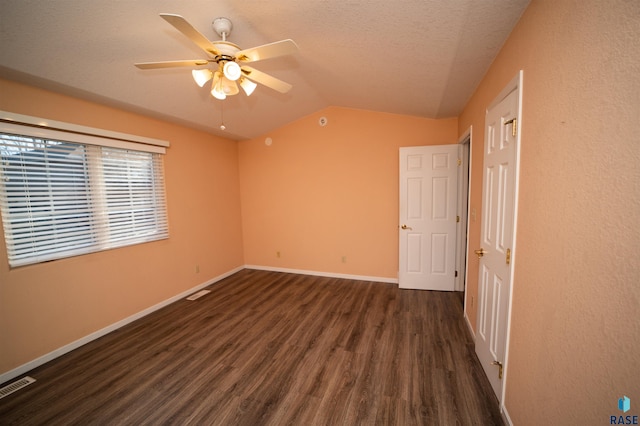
(62, 198)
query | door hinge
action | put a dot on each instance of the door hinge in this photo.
(514, 128)
(457, 219)
(508, 256)
(456, 273)
(459, 162)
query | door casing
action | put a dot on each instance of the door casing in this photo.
(462, 237)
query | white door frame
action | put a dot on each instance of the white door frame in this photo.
(514, 84)
(464, 200)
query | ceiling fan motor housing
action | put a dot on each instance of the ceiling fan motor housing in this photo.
(226, 49)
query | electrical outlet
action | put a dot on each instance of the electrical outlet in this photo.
(278, 254)
(344, 259)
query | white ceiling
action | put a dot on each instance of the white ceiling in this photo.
(415, 57)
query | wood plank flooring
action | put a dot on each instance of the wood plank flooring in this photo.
(268, 348)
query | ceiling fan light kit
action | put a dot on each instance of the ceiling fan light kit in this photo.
(248, 86)
(228, 58)
(201, 76)
(216, 88)
(229, 87)
(232, 71)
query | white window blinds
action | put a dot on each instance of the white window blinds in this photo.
(60, 198)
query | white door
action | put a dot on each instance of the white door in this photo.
(428, 185)
(497, 238)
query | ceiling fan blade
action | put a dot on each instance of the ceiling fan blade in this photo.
(171, 64)
(267, 51)
(188, 30)
(266, 79)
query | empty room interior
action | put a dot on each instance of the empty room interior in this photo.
(285, 182)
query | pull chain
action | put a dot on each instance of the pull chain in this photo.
(222, 126)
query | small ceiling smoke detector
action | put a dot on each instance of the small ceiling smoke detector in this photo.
(323, 121)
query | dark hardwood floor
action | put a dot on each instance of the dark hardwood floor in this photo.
(268, 348)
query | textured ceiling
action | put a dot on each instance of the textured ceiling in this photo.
(415, 57)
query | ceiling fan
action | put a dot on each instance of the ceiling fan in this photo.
(230, 69)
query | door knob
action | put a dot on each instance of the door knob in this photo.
(500, 368)
(406, 227)
(480, 252)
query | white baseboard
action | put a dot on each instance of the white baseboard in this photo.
(324, 274)
(506, 417)
(466, 319)
(4, 377)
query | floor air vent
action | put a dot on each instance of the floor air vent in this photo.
(16, 386)
(199, 294)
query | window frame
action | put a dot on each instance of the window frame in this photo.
(145, 153)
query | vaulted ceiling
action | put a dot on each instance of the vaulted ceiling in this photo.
(416, 57)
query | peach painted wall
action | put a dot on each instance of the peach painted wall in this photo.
(46, 306)
(575, 337)
(320, 193)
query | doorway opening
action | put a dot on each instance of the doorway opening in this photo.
(462, 231)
